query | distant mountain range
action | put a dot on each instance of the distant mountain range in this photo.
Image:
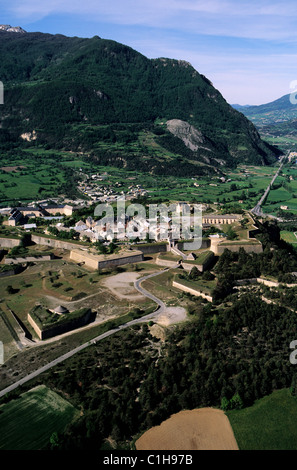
(105, 99)
(276, 121)
(280, 110)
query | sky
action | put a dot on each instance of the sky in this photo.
(246, 48)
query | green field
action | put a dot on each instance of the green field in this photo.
(42, 173)
(200, 285)
(270, 424)
(289, 237)
(283, 192)
(28, 422)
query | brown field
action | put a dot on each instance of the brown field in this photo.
(201, 429)
(12, 168)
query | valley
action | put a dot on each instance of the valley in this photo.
(111, 327)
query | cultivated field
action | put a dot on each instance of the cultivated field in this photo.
(201, 429)
(28, 422)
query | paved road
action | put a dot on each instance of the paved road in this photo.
(140, 289)
(257, 209)
(71, 353)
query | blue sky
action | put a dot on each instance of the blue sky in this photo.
(246, 48)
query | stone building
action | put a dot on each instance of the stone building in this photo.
(217, 219)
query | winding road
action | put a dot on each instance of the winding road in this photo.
(156, 313)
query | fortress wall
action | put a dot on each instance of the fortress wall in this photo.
(151, 248)
(173, 264)
(120, 261)
(195, 292)
(56, 330)
(39, 240)
(82, 257)
(166, 263)
(96, 262)
(14, 270)
(35, 326)
(204, 244)
(257, 248)
(9, 242)
(26, 259)
(268, 283)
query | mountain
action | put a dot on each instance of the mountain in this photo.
(240, 106)
(280, 110)
(276, 121)
(105, 99)
(11, 29)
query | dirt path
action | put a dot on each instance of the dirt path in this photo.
(122, 285)
(172, 315)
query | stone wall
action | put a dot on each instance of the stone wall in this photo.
(39, 240)
(150, 249)
(235, 247)
(9, 242)
(204, 244)
(26, 259)
(11, 272)
(186, 266)
(191, 291)
(56, 330)
(79, 256)
(102, 262)
(166, 263)
(120, 261)
(35, 326)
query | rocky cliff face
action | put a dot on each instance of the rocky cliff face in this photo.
(194, 140)
(191, 137)
(11, 29)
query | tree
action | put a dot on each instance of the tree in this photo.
(54, 440)
(10, 290)
(231, 234)
(225, 404)
(101, 248)
(207, 276)
(236, 402)
(194, 273)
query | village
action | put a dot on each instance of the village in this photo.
(61, 237)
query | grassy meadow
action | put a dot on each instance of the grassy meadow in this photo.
(37, 173)
(270, 424)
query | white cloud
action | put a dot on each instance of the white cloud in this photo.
(249, 19)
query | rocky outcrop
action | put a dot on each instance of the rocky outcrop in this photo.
(29, 136)
(191, 137)
(11, 29)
